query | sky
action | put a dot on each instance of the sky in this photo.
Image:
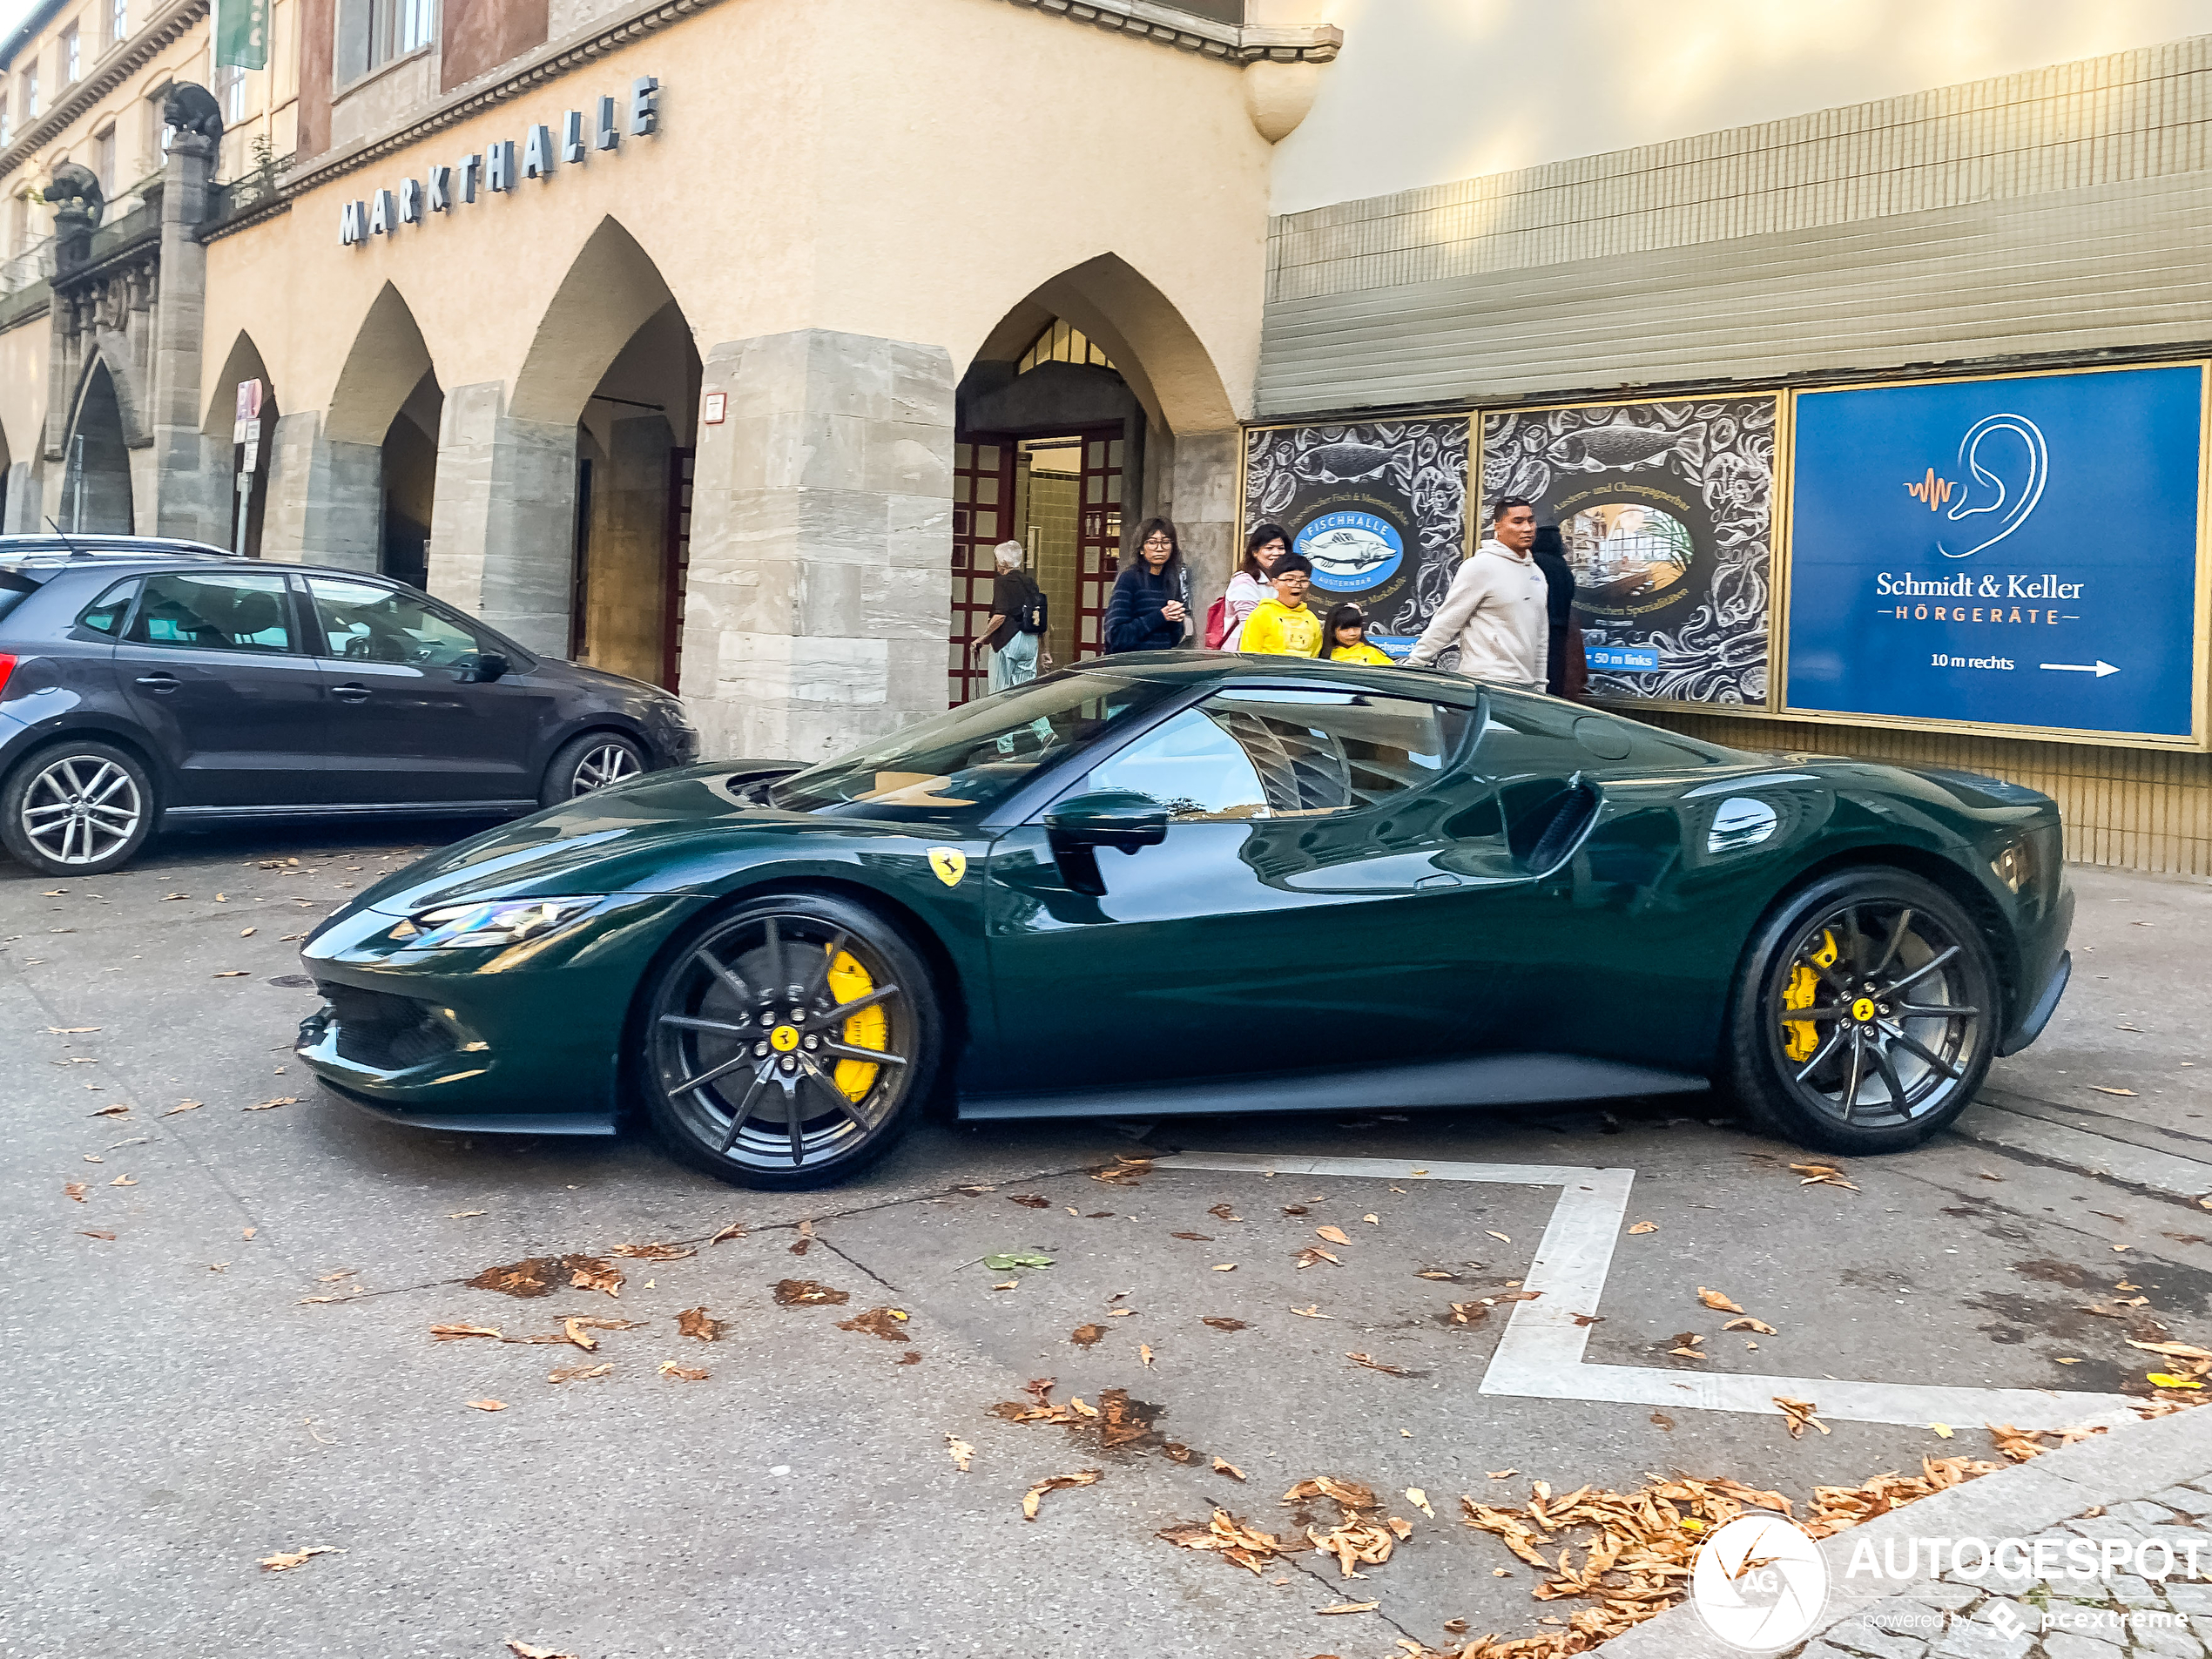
(1426, 92)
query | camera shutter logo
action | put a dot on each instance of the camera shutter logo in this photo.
(1759, 1583)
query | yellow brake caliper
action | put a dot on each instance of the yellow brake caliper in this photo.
(1800, 1038)
(867, 1029)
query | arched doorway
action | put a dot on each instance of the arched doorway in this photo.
(614, 355)
(409, 467)
(369, 504)
(95, 479)
(257, 443)
(1091, 406)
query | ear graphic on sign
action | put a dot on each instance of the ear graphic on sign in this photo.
(2027, 458)
(950, 864)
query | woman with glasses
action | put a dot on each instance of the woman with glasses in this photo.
(1150, 607)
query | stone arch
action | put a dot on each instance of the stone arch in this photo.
(244, 364)
(612, 289)
(97, 497)
(387, 362)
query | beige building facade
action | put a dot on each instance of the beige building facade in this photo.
(717, 342)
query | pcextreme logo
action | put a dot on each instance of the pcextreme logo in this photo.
(1759, 1583)
(2007, 482)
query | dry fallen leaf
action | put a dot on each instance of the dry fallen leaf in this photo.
(486, 1404)
(1350, 1606)
(1056, 1483)
(2101, 1090)
(1083, 1335)
(806, 1292)
(1313, 1313)
(735, 1230)
(1645, 1227)
(267, 1105)
(456, 1332)
(1748, 1324)
(233, 973)
(125, 1181)
(1821, 1175)
(1220, 1323)
(1144, 1353)
(181, 1106)
(1714, 1299)
(576, 1373)
(693, 1322)
(1222, 1212)
(523, 1650)
(1223, 1466)
(1418, 1498)
(1224, 1267)
(1334, 1235)
(1499, 1237)
(1501, 1474)
(109, 1237)
(75, 1189)
(1800, 1413)
(1313, 1253)
(1373, 1363)
(464, 1215)
(114, 1111)
(689, 1373)
(1030, 1200)
(1196, 1238)
(286, 1563)
(651, 1253)
(960, 1450)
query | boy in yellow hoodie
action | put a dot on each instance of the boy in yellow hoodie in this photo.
(1284, 626)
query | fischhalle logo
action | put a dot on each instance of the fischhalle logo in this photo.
(2006, 464)
(1759, 1583)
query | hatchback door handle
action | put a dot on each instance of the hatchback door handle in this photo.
(350, 693)
(159, 681)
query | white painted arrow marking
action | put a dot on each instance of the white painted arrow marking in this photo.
(2100, 668)
(1541, 1355)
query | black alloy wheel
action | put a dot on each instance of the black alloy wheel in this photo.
(1870, 1016)
(591, 763)
(790, 1042)
(79, 808)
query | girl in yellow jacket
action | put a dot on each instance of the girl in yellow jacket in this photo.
(1345, 637)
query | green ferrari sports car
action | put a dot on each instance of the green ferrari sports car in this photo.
(1176, 883)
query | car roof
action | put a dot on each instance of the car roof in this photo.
(1186, 667)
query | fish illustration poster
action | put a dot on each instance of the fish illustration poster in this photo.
(1379, 508)
(1666, 511)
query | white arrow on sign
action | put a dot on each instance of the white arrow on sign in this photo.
(2100, 668)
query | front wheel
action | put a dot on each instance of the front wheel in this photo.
(1868, 1017)
(591, 763)
(790, 1043)
(79, 808)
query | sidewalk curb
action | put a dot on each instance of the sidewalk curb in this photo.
(1989, 1122)
(2130, 1462)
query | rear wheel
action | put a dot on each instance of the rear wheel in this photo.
(79, 808)
(790, 1043)
(1869, 1016)
(591, 763)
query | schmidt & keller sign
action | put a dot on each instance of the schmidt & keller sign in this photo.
(495, 169)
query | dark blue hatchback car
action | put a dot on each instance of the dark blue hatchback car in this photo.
(145, 681)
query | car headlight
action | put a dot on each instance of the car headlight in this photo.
(672, 712)
(2014, 865)
(510, 921)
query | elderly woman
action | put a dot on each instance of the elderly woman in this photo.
(1017, 619)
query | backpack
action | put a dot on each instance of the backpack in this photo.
(1217, 622)
(1031, 618)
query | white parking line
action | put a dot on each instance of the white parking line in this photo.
(1541, 1355)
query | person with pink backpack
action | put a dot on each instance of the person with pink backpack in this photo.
(1248, 588)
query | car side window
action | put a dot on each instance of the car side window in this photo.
(229, 612)
(366, 622)
(106, 614)
(1247, 753)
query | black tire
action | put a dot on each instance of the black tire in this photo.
(770, 1102)
(77, 808)
(591, 763)
(1852, 1073)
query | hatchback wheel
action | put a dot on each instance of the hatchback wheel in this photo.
(591, 763)
(77, 809)
(790, 1043)
(1869, 1017)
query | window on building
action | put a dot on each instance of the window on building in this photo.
(72, 57)
(30, 83)
(374, 32)
(19, 223)
(1063, 342)
(7, 118)
(104, 159)
(230, 92)
(118, 22)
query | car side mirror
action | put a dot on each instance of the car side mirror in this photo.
(1119, 818)
(490, 665)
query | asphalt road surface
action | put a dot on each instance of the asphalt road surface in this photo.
(246, 1366)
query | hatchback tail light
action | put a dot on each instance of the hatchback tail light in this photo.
(7, 667)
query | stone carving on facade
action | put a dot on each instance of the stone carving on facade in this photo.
(191, 108)
(74, 194)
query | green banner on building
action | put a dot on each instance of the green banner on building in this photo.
(242, 34)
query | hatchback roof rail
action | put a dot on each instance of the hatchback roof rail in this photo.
(112, 546)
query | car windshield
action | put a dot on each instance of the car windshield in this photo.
(959, 764)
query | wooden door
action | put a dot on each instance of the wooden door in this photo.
(676, 564)
(1099, 557)
(982, 518)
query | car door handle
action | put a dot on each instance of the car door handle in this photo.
(1437, 883)
(355, 693)
(159, 681)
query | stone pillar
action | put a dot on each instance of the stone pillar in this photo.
(326, 499)
(818, 609)
(1203, 503)
(504, 546)
(192, 496)
(23, 513)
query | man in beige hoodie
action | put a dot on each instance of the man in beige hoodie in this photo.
(1498, 611)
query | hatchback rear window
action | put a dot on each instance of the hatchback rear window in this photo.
(14, 589)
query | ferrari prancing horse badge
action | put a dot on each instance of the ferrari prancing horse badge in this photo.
(950, 864)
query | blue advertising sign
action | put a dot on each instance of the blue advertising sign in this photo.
(1351, 551)
(2019, 552)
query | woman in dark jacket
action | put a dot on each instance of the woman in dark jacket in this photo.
(1567, 669)
(1150, 608)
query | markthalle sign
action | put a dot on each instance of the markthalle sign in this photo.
(495, 170)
